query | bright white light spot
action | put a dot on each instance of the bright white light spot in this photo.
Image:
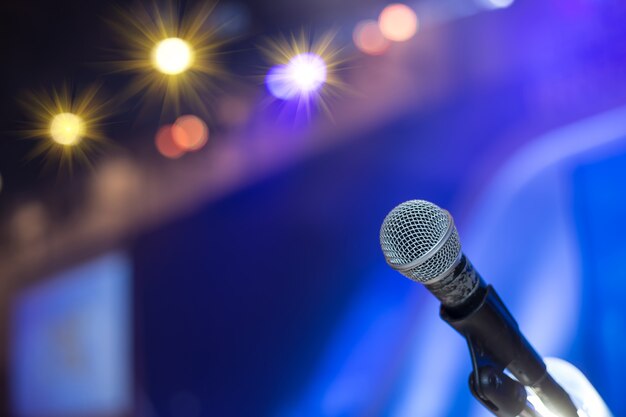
(67, 129)
(308, 71)
(303, 75)
(172, 56)
(497, 4)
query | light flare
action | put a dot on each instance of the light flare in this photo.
(304, 69)
(67, 129)
(308, 71)
(67, 124)
(172, 52)
(172, 56)
(302, 76)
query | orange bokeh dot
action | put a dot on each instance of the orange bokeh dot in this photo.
(398, 22)
(192, 133)
(369, 39)
(165, 143)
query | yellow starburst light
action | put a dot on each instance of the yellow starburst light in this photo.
(66, 123)
(173, 53)
(67, 129)
(172, 56)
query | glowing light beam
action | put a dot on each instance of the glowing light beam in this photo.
(67, 124)
(304, 69)
(173, 54)
(302, 76)
(67, 129)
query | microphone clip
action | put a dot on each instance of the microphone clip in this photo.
(499, 393)
(495, 344)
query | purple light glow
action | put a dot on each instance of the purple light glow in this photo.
(302, 76)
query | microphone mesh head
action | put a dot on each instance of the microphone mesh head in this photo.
(419, 240)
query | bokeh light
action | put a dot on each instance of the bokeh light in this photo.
(398, 22)
(308, 71)
(369, 39)
(192, 134)
(172, 56)
(29, 223)
(304, 72)
(67, 129)
(67, 123)
(173, 52)
(303, 75)
(496, 4)
(165, 143)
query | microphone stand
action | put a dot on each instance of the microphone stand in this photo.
(499, 393)
(495, 344)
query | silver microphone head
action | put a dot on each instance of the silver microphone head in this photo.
(420, 241)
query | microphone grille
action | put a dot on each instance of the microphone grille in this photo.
(419, 240)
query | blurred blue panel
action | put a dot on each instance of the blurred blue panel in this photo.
(600, 204)
(357, 373)
(71, 343)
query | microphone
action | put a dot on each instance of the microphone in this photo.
(420, 241)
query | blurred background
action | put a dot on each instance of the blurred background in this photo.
(245, 278)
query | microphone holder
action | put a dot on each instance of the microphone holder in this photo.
(495, 344)
(499, 393)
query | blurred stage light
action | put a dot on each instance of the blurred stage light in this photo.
(193, 133)
(115, 189)
(29, 222)
(307, 71)
(369, 39)
(67, 122)
(302, 76)
(165, 143)
(304, 71)
(67, 129)
(172, 51)
(398, 22)
(496, 4)
(172, 56)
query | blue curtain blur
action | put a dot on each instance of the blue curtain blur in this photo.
(548, 233)
(278, 302)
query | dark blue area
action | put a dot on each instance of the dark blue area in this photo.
(237, 300)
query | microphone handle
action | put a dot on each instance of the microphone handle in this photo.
(486, 323)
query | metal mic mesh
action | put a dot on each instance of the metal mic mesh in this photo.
(419, 240)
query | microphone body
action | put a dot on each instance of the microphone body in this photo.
(420, 241)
